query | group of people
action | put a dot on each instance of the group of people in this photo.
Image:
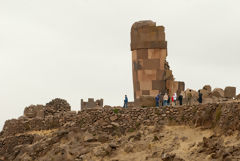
(166, 100)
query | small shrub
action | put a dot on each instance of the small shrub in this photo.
(131, 130)
(116, 111)
(138, 125)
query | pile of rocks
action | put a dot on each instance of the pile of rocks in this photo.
(213, 96)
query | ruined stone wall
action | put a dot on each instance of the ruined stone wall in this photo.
(151, 72)
(91, 103)
(222, 115)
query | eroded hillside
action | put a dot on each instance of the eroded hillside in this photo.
(53, 132)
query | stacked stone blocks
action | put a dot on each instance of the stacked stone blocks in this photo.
(151, 73)
(91, 103)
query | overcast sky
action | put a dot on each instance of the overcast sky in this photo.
(76, 49)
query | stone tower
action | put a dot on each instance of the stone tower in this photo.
(151, 72)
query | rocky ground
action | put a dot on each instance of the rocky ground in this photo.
(202, 132)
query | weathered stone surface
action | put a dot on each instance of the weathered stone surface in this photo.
(59, 104)
(230, 92)
(33, 138)
(151, 71)
(34, 111)
(218, 92)
(146, 101)
(205, 93)
(238, 96)
(91, 103)
(208, 88)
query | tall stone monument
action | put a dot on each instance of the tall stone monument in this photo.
(151, 72)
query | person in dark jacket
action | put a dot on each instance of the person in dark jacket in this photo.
(160, 99)
(180, 98)
(168, 101)
(125, 102)
(199, 96)
(157, 100)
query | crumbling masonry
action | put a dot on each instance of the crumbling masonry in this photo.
(151, 72)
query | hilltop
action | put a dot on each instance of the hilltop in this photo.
(54, 132)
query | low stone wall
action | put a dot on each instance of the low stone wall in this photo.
(115, 120)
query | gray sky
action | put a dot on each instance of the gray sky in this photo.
(76, 49)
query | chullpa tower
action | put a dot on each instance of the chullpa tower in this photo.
(151, 72)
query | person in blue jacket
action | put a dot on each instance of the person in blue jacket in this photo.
(157, 100)
(125, 102)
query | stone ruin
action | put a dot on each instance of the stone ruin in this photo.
(151, 71)
(91, 103)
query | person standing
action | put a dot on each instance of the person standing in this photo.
(199, 96)
(169, 100)
(172, 100)
(160, 99)
(157, 100)
(165, 99)
(189, 98)
(175, 98)
(125, 102)
(180, 98)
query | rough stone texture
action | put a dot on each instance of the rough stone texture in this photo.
(151, 72)
(91, 103)
(205, 93)
(230, 92)
(218, 92)
(22, 139)
(208, 88)
(146, 101)
(238, 96)
(59, 104)
(34, 111)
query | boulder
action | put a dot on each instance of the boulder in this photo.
(230, 92)
(208, 88)
(194, 93)
(205, 93)
(238, 97)
(218, 92)
(146, 101)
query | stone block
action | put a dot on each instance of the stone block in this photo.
(160, 75)
(153, 54)
(138, 94)
(146, 92)
(230, 92)
(154, 92)
(146, 75)
(151, 64)
(137, 85)
(134, 55)
(238, 97)
(181, 86)
(149, 45)
(217, 92)
(175, 87)
(163, 56)
(146, 101)
(146, 85)
(142, 54)
(168, 74)
(158, 85)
